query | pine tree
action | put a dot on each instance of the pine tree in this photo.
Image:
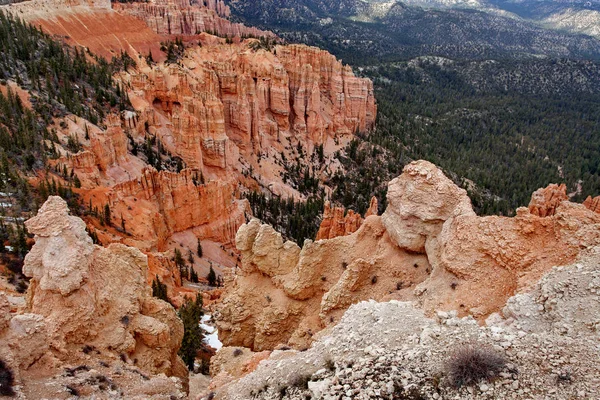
(159, 290)
(193, 275)
(107, 214)
(190, 314)
(178, 258)
(199, 250)
(212, 277)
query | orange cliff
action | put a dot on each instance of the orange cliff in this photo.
(228, 99)
(336, 222)
(183, 17)
(137, 28)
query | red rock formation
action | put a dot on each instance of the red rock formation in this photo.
(159, 204)
(335, 223)
(544, 202)
(230, 99)
(91, 24)
(593, 203)
(181, 17)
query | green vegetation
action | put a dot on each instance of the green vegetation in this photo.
(212, 277)
(500, 146)
(159, 289)
(190, 313)
(295, 220)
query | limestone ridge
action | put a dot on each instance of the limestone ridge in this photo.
(428, 247)
(86, 296)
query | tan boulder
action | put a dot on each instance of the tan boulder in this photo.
(61, 259)
(419, 202)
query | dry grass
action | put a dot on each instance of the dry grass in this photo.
(473, 363)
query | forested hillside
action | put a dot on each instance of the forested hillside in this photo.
(41, 80)
(500, 122)
(360, 34)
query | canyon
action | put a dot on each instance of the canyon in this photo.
(223, 119)
(217, 110)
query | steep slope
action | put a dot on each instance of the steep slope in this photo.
(428, 247)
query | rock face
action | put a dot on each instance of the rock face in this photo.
(337, 223)
(428, 246)
(91, 24)
(284, 294)
(184, 17)
(228, 100)
(85, 296)
(593, 203)
(544, 202)
(392, 350)
(159, 204)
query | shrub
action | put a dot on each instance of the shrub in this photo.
(301, 381)
(238, 352)
(470, 364)
(7, 380)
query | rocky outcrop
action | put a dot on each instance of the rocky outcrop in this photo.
(593, 203)
(284, 294)
(336, 222)
(86, 295)
(545, 201)
(428, 246)
(420, 201)
(392, 350)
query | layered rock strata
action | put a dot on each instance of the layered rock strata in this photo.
(183, 17)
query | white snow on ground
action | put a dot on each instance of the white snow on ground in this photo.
(212, 334)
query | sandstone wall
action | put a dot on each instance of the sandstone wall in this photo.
(158, 204)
